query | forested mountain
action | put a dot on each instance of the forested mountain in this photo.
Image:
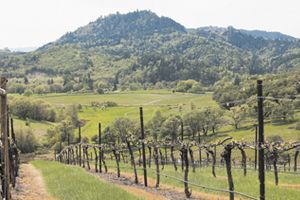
(141, 49)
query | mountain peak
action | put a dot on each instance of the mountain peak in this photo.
(111, 29)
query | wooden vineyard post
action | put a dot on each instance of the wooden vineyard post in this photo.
(100, 149)
(295, 160)
(181, 129)
(60, 149)
(79, 138)
(143, 146)
(4, 138)
(15, 150)
(255, 156)
(261, 165)
(68, 140)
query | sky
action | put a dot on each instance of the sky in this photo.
(33, 23)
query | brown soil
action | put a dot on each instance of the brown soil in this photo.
(164, 192)
(291, 186)
(30, 185)
(195, 194)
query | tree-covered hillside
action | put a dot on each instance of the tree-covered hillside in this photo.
(142, 50)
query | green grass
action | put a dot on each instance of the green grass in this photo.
(135, 98)
(129, 103)
(152, 100)
(74, 183)
(246, 184)
(39, 128)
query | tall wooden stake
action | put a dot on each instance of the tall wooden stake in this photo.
(261, 165)
(79, 138)
(4, 138)
(255, 156)
(143, 146)
(99, 143)
(181, 131)
(68, 134)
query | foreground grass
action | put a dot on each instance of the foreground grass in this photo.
(73, 183)
(288, 188)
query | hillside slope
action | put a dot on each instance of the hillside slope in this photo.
(142, 48)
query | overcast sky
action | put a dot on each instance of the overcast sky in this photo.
(31, 23)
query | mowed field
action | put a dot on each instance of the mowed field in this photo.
(128, 105)
(151, 100)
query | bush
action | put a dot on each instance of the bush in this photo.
(26, 140)
(28, 92)
(94, 139)
(298, 126)
(24, 107)
(42, 89)
(275, 139)
(104, 104)
(190, 86)
(16, 88)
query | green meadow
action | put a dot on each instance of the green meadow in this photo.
(151, 100)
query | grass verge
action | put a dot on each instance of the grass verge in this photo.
(73, 183)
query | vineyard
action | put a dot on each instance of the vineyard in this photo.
(9, 153)
(131, 153)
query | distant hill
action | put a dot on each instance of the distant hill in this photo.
(112, 29)
(142, 49)
(254, 33)
(269, 35)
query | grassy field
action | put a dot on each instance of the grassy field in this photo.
(74, 183)
(153, 100)
(288, 188)
(128, 105)
(135, 98)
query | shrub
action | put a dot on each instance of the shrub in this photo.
(94, 138)
(28, 92)
(26, 140)
(298, 126)
(275, 138)
(24, 107)
(104, 104)
(191, 86)
(85, 140)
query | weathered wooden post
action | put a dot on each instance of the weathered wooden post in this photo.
(16, 153)
(295, 160)
(4, 138)
(255, 156)
(184, 151)
(68, 140)
(60, 149)
(181, 129)
(79, 141)
(227, 156)
(261, 164)
(100, 149)
(143, 146)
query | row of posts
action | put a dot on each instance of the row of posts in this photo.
(9, 156)
(259, 137)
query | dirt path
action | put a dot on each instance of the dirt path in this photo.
(30, 185)
(165, 192)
